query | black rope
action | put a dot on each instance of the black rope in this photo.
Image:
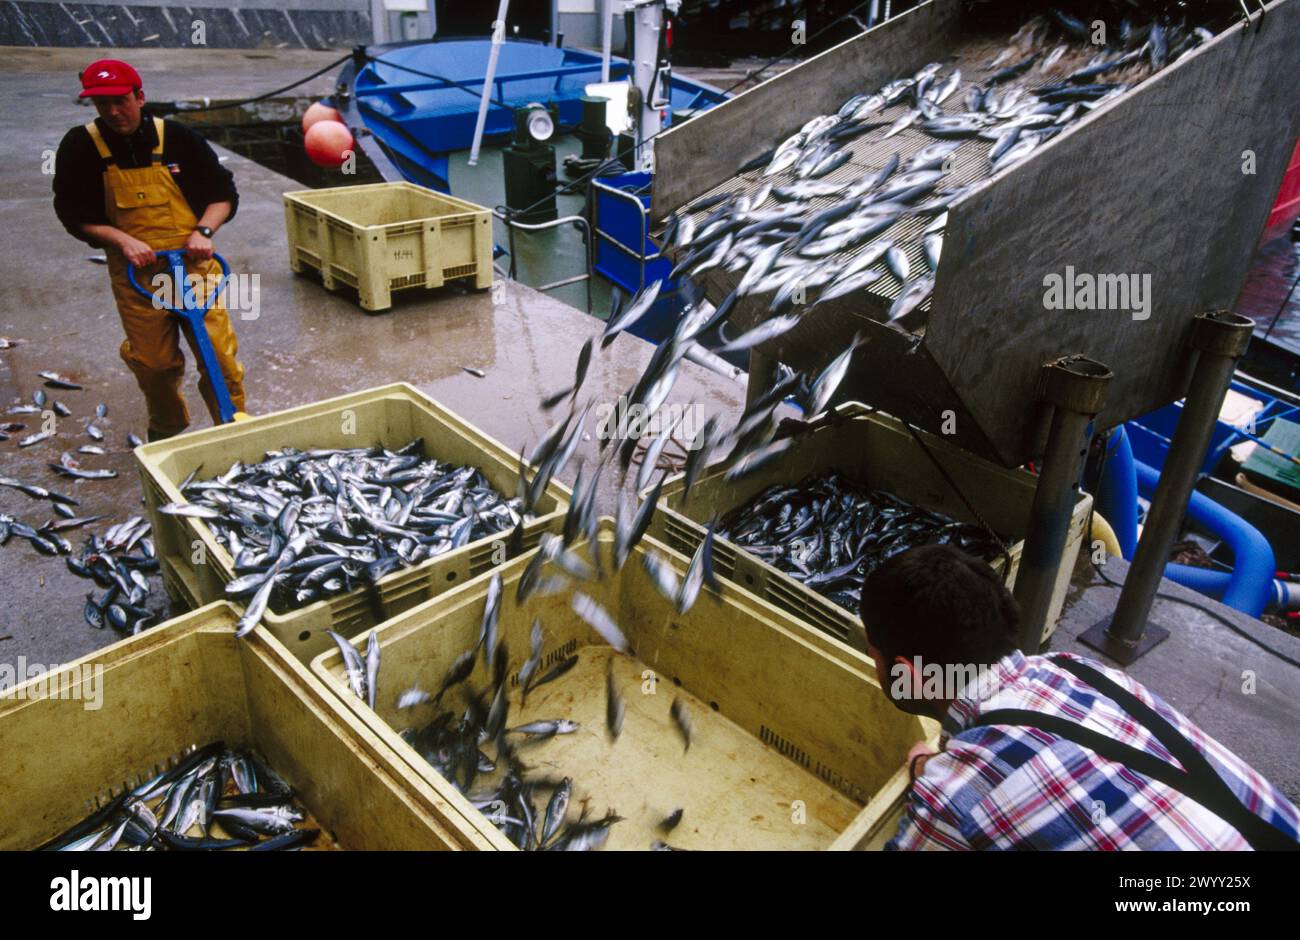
(1006, 552)
(270, 94)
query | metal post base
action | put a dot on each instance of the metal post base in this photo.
(1098, 637)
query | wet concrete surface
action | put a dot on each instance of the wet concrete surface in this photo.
(307, 344)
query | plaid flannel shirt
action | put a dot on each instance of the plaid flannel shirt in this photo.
(1003, 787)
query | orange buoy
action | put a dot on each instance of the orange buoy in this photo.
(328, 143)
(319, 112)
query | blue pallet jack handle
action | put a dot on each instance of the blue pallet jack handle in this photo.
(194, 315)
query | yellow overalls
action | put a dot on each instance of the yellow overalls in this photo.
(147, 204)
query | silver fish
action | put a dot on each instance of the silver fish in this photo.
(933, 245)
(353, 665)
(683, 720)
(372, 669)
(662, 575)
(614, 707)
(599, 620)
(896, 261)
(547, 728)
(764, 332)
(36, 438)
(912, 296)
(639, 307)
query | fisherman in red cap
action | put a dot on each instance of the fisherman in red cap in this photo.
(135, 184)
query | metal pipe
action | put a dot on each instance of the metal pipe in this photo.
(498, 39)
(1219, 338)
(607, 38)
(1076, 388)
(577, 220)
(713, 362)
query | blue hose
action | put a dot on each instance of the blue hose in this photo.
(1250, 586)
(1117, 492)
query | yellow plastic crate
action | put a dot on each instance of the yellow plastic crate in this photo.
(196, 568)
(877, 451)
(383, 237)
(795, 746)
(190, 682)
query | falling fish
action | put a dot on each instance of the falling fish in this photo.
(670, 822)
(683, 720)
(599, 620)
(546, 728)
(354, 666)
(638, 308)
(913, 295)
(824, 386)
(764, 332)
(614, 707)
(933, 246)
(372, 669)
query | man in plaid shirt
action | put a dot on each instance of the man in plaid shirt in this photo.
(1004, 780)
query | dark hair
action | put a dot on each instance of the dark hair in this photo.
(940, 604)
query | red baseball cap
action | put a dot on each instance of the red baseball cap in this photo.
(108, 77)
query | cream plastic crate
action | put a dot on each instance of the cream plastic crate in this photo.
(385, 237)
(877, 451)
(196, 568)
(190, 682)
(788, 723)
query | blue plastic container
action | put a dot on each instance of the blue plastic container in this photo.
(1150, 434)
(617, 220)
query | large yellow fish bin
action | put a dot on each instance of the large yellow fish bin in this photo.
(792, 743)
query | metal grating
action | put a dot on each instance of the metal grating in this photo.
(343, 275)
(550, 659)
(408, 280)
(784, 747)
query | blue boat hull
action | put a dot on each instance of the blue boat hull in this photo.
(420, 100)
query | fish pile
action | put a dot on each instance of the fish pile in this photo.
(215, 798)
(829, 533)
(121, 563)
(797, 233)
(305, 525)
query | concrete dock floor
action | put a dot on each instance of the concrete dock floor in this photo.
(307, 344)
